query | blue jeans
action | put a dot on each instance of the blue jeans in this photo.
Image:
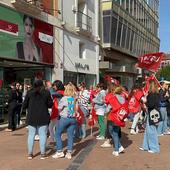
(168, 121)
(162, 127)
(80, 131)
(150, 141)
(114, 132)
(69, 124)
(42, 132)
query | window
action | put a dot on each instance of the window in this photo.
(82, 51)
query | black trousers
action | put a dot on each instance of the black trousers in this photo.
(12, 116)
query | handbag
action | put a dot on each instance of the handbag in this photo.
(154, 117)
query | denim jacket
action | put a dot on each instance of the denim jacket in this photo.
(99, 100)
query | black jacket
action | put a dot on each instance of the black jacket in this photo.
(153, 101)
(37, 105)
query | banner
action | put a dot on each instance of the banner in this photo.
(24, 37)
(150, 61)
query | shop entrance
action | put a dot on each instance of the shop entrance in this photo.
(22, 72)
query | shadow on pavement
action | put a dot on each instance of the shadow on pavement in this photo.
(80, 146)
(125, 141)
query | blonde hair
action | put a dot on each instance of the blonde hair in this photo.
(118, 90)
(70, 90)
(153, 87)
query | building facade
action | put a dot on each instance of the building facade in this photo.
(79, 44)
(129, 28)
(28, 47)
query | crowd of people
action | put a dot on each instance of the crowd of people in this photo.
(56, 108)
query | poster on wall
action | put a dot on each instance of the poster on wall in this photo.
(24, 37)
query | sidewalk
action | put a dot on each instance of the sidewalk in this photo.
(87, 155)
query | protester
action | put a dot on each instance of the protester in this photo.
(83, 101)
(135, 108)
(119, 111)
(37, 102)
(164, 95)
(67, 120)
(100, 108)
(57, 95)
(150, 141)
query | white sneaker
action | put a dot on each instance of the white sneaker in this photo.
(97, 136)
(106, 144)
(36, 138)
(132, 132)
(100, 138)
(121, 149)
(68, 155)
(167, 133)
(161, 134)
(150, 151)
(115, 153)
(141, 149)
(58, 155)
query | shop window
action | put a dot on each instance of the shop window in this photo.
(114, 30)
(82, 51)
(106, 29)
(119, 33)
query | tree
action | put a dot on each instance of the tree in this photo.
(164, 72)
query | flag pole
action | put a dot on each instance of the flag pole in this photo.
(91, 130)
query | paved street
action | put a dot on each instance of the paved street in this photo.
(87, 154)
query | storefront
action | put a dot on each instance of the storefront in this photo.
(26, 49)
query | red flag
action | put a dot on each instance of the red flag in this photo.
(150, 61)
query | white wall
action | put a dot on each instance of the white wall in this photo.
(71, 54)
(69, 16)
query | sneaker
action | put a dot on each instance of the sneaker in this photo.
(68, 155)
(100, 138)
(8, 130)
(161, 134)
(36, 138)
(106, 144)
(58, 155)
(97, 136)
(44, 156)
(30, 156)
(150, 151)
(167, 133)
(115, 153)
(141, 149)
(132, 132)
(121, 149)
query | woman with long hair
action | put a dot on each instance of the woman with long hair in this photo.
(67, 120)
(37, 102)
(150, 141)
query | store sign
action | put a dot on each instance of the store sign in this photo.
(8, 27)
(82, 66)
(45, 38)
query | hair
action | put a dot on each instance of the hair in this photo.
(27, 16)
(82, 84)
(118, 90)
(100, 85)
(70, 90)
(153, 87)
(58, 84)
(38, 85)
(111, 87)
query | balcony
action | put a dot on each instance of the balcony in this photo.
(33, 7)
(84, 23)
